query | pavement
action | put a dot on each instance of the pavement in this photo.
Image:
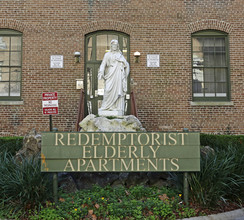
(233, 215)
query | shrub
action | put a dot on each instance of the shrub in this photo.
(222, 141)
(22, 185)
(11, 144)
(221, 178)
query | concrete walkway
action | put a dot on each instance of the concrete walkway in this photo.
(233, 215)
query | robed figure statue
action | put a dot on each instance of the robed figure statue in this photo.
(114, 70)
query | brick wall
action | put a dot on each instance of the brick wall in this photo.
(163, 94)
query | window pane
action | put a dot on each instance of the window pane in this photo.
(15, 89)
(101, 46)
(198, 75)
(4, 89)
(16, 43)
(15, 59)
(15, 74)
(4, 58)
(221, 89)
(208, 59)
(220, 59)
(220, 74)
(209, 75)
(4, 43)
(125, 47)
(89, 81)
(89, 42)
(89, 51)
(197, 89)
(198, 59)
(220, 44)
(197, 44)
(4, 74)
(209, 89)
(209, 45)
(112, 37)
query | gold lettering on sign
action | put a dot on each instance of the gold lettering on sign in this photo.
(164, 163)
(59, 139)
(142, 153)
(175, 164)
(95, 153)
(139, 139)
(90, 165)
(113, 160)
(108, 141)
(154, 151)
(70, 139)
(69, 165)
(182, 138)
(132, 151)
(86, 151)
(155, 139)
(132, 138)
(121, 151)
(80, 139)
(140, 163)
(123, 164)
(121, 138)
(106, 152)
(103, 164)
(164, 138)
(94, 138)
(155, 166)
(172, 139)
(79, 164)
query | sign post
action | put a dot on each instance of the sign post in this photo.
(50, 107)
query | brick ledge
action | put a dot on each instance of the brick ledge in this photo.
(11, 102)
(212, 103)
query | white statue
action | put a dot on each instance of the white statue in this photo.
(114, 70)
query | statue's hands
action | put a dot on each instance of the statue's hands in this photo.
(100, 75)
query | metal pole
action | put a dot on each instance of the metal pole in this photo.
(55, 187)
(51, 123)
(186, 188)
(185, 181)
(55, 175)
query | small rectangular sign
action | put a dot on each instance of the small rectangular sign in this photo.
(50, 103)
(56, 61)
(120, 152)
(153, 60)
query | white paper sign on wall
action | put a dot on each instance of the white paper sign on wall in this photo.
(153, 60)
(56, 61)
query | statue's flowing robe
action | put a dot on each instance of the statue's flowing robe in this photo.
(114, 70)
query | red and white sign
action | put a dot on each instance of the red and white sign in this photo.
(50, 103)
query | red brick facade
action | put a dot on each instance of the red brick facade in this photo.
(163, 94)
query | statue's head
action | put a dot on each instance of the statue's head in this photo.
(114, 45)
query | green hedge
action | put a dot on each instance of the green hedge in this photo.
(11, 144)
(222, 141)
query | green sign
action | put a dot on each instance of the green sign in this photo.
(120, 152)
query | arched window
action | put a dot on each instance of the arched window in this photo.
(10, 64)
(210, 66)
(96, 45)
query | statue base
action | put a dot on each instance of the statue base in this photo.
(110, 113)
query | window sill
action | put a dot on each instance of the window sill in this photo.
(207, 103)
(11, 102)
